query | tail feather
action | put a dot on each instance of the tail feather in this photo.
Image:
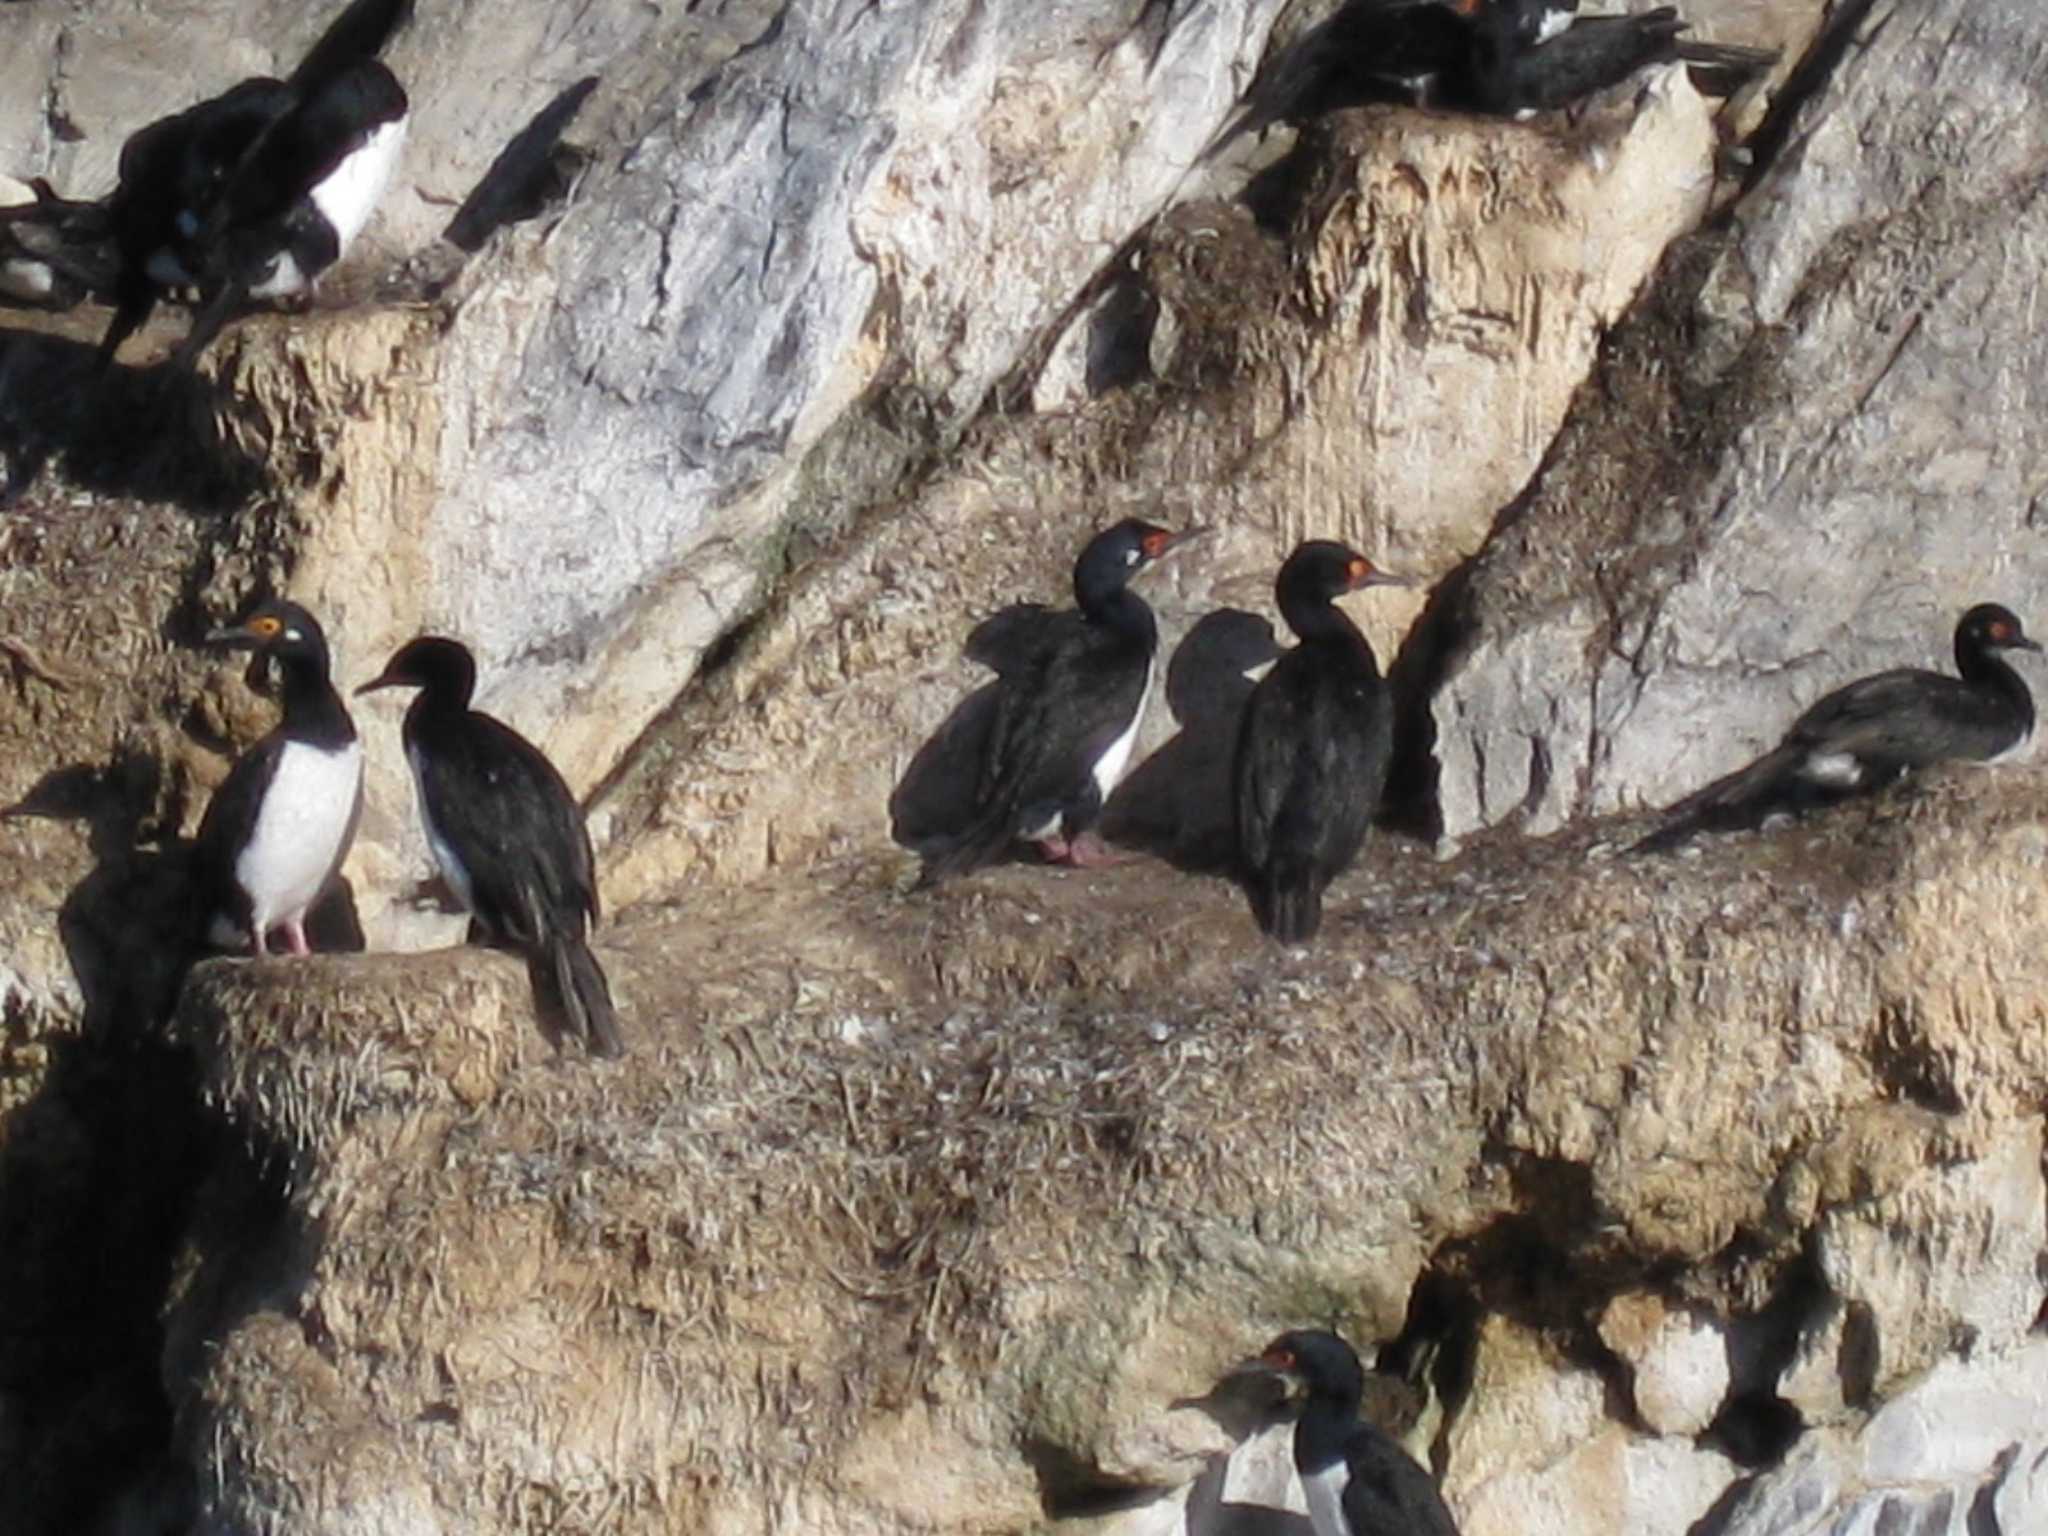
(980, 843)
(571, 985)
(1734, 801)
(1288, 910)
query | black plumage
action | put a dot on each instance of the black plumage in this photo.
(1313, 745)
(507, 834)
(1493, 57)
(1358, 1481)
(1867, 735)
(1071, 692)
(226, 196)
(276, 831)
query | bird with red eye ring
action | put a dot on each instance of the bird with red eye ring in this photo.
(1072, 687)
(1875, 731)
(1355, 1478)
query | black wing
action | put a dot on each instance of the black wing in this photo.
(1389, 1492)
(227, 826)
(1594, 53)
(1060, 713)
(508, 816)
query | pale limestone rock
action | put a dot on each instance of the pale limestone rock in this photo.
(1678, 1361)
(1862, 322)
(1949, 1261)
(1829, 1371)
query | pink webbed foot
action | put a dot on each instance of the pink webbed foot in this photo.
(1090, 852)
(295, 935)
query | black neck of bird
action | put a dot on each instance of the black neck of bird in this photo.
(312, 709)
(1114, 606)
(1984, 669)
(1326, 1422)
(1314, 615)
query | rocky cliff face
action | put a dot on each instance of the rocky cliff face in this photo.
(1702, 1195)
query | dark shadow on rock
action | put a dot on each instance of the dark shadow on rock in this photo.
(1177, 804)
(96, 1174)
(155, 434)
(936, 797)
(533, 172)
(100, 1167)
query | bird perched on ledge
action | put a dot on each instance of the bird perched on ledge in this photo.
(1073, 686)
(276, 831)
(506, 833)
(1357, 1480)
(255, 192)
(1313, 745)
(1872, 732)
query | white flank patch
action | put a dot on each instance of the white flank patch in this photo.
(280, 277)
(349, 194)
(1324, 1491)
(1555, 24)
(28, 280)
(1109, 767)
(1838, 770)
(452, 869)
(301, 831)
(2018, 752)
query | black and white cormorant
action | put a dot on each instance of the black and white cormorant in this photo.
(1072, 688)
(1877, 729)
(255, 192)
(1357, 1480)
(1313, 745)
(277, 829)
(506, 833)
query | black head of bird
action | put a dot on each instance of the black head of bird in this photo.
(1991, 627)
(279, 629)
(1319, 571)
(442, 667)
(1314, 1363)
(1118, 553)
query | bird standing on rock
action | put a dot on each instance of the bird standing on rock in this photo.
(276, 831)
(1313, 745)
(1357, 1480)
(1864, 736)
(506, 833)
(1072, 689)
(255, 192)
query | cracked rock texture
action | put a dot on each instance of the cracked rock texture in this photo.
(1699, 1196)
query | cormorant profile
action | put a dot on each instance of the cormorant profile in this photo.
(1866, 735)
(254, 192)
(1313, 745)
(1356, 1478)
(276, 831)
(1072, 689)
(506, 833)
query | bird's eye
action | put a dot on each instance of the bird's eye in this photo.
(265, 626)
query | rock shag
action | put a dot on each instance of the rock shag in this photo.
(1356, 1478)
(1313, 745)
(1874, 731)
(506, 833)
(1072, 689)
(255, 192)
